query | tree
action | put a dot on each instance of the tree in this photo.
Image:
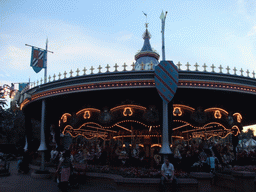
(6, 123)
(246, 135)
(12, 126)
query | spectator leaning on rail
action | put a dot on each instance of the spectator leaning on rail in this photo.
(167, 172)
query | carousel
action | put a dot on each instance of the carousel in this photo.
(138, 128)
(124, 107)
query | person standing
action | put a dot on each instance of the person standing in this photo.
(167, 172)
(211, 162)
(64, 167)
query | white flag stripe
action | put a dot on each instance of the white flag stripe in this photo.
(41, 55)
(35, 63)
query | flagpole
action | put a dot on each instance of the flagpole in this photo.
(165, 149)
(43, 146)
(45, 62)
(37, 47)
(163, 17)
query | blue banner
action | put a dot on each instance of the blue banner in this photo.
(22, 86)
(38, 59)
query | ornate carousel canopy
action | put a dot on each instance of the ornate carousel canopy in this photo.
(138, 122)
(190, 123)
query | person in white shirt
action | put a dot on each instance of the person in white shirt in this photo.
(167, 172)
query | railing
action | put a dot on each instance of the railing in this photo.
(126, 67)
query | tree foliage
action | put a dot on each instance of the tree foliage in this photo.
(12, 125)
(246, 135)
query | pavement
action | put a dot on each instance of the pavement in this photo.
(18, 182)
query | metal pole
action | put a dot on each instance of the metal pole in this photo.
(42, 146)
(45, 69)
(165, 150)
(45, 75)
(37, 47)
(163, 46)
(163, 17)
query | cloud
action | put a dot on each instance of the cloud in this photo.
(16, 57)
(124, 37)
(241, 7)
(247, 54)
(73, 46)
(252, 32)
(247, 9)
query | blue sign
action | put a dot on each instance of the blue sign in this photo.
(166, 79)
(38, 58)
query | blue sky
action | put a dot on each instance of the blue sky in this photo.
(100, 32)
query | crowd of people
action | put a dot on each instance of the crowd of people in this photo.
(195, 156)
(187, 156)
(112, 154)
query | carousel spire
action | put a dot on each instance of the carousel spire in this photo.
(146, 36)
(146, 55)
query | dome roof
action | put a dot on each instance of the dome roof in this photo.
(146, 58)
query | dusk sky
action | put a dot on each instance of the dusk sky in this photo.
(92, 33)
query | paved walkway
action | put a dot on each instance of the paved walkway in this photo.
(25, 183)
(17, 182)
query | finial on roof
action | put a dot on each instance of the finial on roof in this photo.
(146, 34)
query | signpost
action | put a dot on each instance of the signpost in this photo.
(39, 61)
(166, 79)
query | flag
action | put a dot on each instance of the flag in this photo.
(22, 86)
(38, 57)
